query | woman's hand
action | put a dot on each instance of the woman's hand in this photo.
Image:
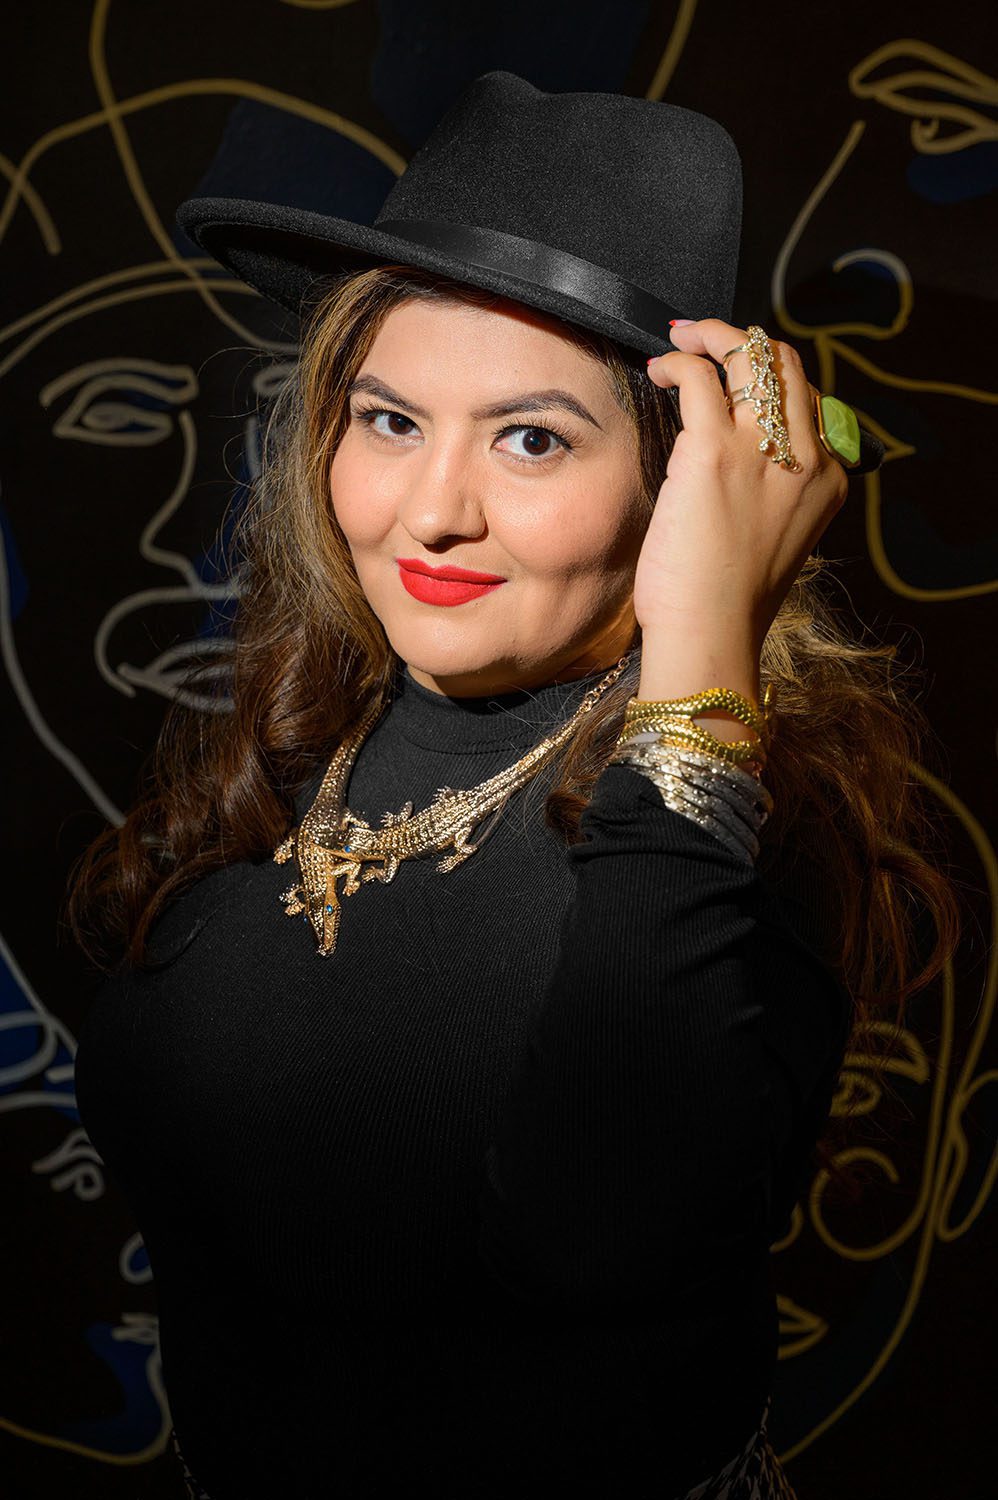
(731, 529)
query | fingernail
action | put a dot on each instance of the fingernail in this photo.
(680, 322)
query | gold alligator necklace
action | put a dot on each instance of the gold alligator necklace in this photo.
(333, 844)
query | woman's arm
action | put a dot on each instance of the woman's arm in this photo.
(663, 1075)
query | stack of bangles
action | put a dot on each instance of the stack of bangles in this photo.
(713, 781)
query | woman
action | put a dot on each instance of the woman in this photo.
(467, 1175)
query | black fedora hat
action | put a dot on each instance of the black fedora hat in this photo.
(612, 212)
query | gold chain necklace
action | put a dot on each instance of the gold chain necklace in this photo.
(332, 843)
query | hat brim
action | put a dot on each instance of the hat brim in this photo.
(282, 251)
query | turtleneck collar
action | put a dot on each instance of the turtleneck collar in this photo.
(461, 726)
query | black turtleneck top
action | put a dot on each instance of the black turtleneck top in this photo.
(483, 1201)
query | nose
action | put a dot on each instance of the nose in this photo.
(443, 494)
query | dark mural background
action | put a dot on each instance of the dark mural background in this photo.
(133, 371)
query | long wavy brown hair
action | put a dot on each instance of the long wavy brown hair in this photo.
(309, 656)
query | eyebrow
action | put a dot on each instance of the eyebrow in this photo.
(532, 401)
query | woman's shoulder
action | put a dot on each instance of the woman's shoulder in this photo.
(184, 915)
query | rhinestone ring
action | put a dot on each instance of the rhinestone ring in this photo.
(767, 403)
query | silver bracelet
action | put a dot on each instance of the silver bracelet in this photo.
(698, 805)
(744, 793)
(727, 801)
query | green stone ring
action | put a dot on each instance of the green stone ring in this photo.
(838, 429)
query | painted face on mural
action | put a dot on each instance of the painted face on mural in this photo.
(450, 460)
(107, 602)
(112, 495)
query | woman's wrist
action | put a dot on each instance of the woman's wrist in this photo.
(679, 663)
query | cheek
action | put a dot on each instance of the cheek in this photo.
(363, 509)
(587, 533)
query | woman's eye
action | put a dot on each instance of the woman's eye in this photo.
(539, 442)
(370, 419)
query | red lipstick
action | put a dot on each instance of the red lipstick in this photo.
(444, 585)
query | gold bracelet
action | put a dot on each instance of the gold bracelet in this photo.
(652, 719)
(727, 699)
(674, 718)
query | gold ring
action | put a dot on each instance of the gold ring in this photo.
(768, 404)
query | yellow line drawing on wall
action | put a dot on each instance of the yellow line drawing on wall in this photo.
(828, 339)
(954, 1154)
(113, 115)
(951, 75)
(45, 1035)
(43, 219)
(800, 1328)
(175, 384)
(946, 1154)
(183, 274)
(673, 50)
(117, 299)
(96, 284)
(240, 88)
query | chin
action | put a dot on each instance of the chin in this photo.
(460, 674)
(468, 676)
(443, 650)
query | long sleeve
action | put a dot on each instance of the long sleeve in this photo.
(685, 1032)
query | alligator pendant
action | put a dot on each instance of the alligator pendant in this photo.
(360, 854)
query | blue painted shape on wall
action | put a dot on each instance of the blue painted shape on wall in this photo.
(18, 581)
(139, 1421)
(955, 176)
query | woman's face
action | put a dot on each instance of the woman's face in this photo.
(425, 473)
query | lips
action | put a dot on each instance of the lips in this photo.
(462, 575)
(446, 585)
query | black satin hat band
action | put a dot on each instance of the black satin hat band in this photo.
(534, 263)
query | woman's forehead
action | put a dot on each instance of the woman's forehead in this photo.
(415, 330)
(501, 318)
